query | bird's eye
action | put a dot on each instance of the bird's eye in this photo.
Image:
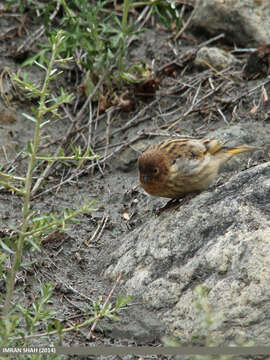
(156, 170)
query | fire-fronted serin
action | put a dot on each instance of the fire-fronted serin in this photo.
(177, 167)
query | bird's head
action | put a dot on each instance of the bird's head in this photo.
(153, 171)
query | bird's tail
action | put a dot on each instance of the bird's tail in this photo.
(226, 152)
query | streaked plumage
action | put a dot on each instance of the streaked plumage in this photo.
(177, 167)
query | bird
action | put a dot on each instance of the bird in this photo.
(177, 167)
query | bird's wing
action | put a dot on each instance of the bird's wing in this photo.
(190, 155)
(190, 148)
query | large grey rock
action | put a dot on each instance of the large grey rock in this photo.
(220, 239)
(245, 23)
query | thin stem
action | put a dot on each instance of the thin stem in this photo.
(125, 16)
(124, 31)
(12, 188)
(11, 177)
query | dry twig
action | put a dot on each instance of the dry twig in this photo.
(99, 230)
(183, 29)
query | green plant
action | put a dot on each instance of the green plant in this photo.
(99, 37)
(167, 12)
(39, 313)
(25, 324)
(99, 33)
(48, 104)
(109, 311)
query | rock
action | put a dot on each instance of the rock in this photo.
(125, 161)
(139, 325)
(220, 240)
(245, 23)
(215, 57)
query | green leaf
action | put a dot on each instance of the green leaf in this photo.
(40, 65)
(45, 123)
(122, 301)
(29, 147)
(29, 117)
(5, 247)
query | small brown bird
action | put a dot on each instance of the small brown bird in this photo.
(177, 167)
